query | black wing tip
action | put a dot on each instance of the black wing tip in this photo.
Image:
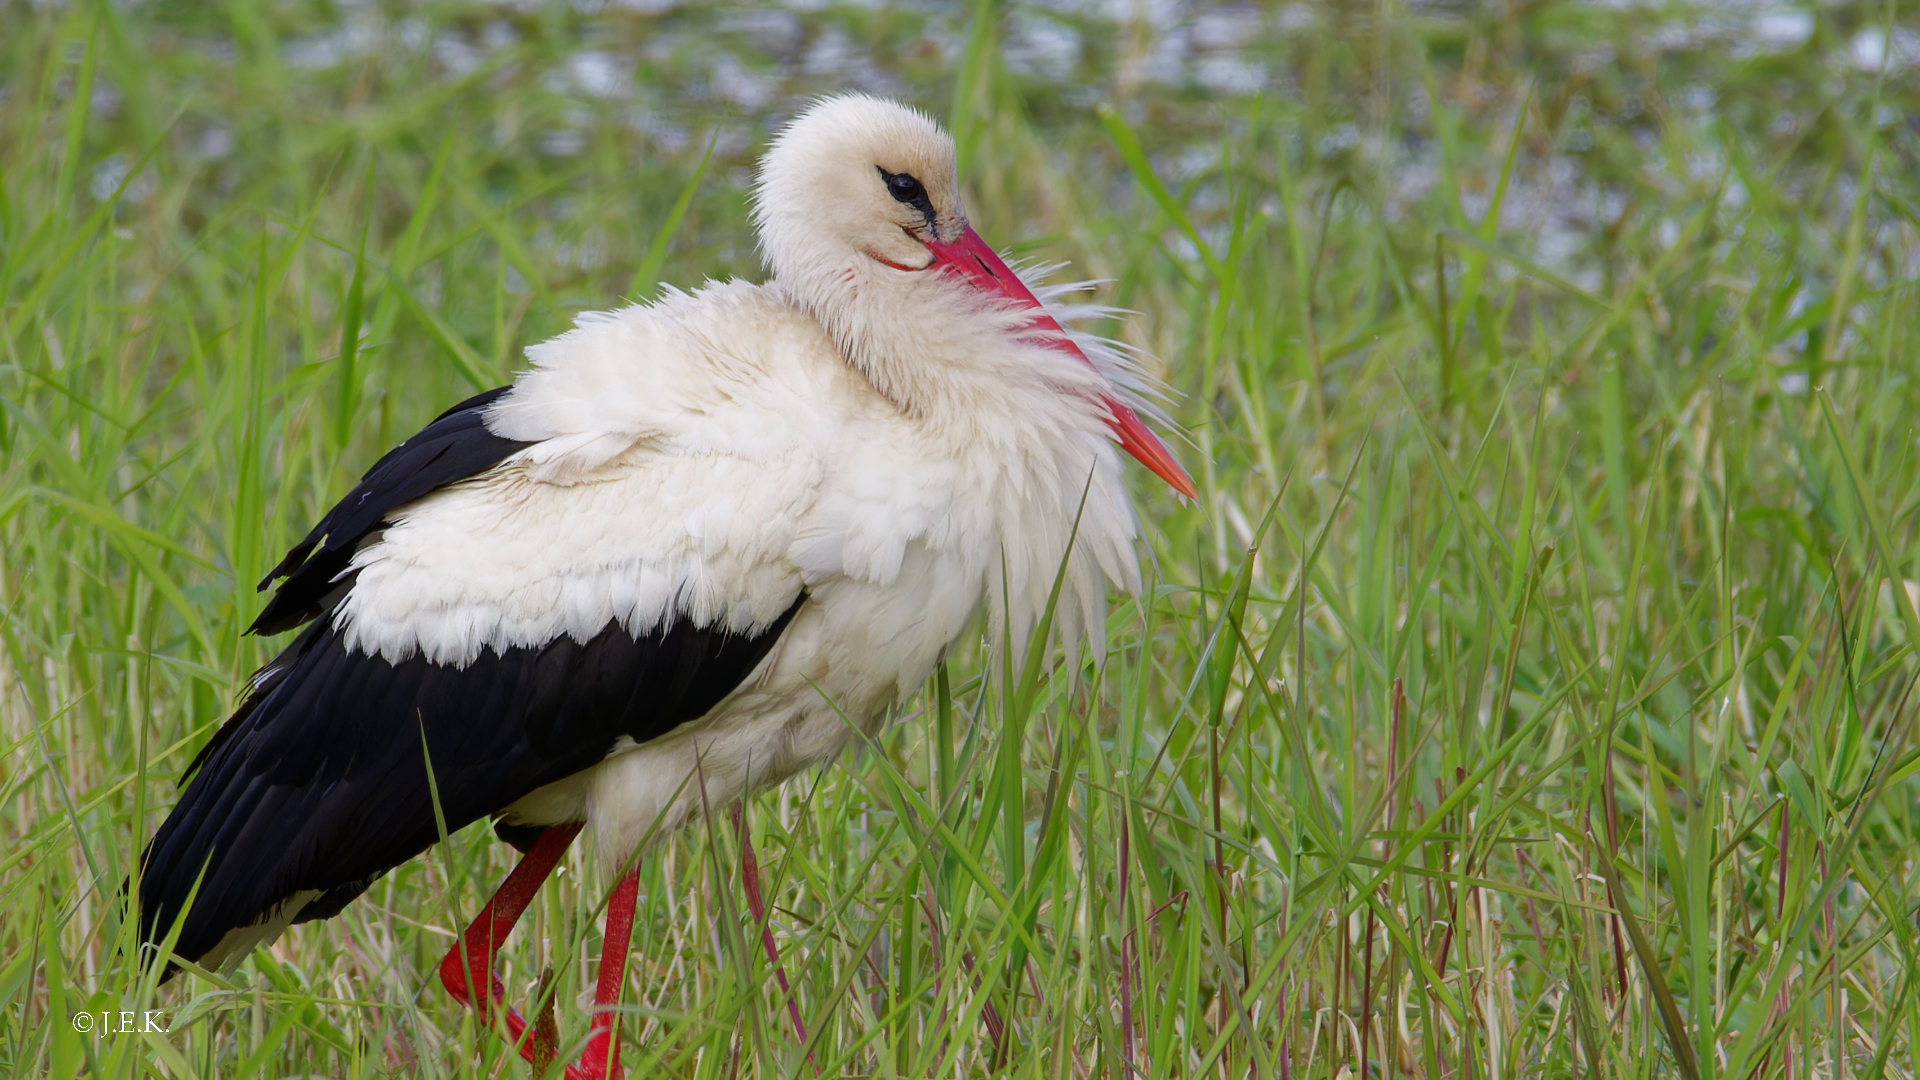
(143, 912)
(296, 555)
(278, 618)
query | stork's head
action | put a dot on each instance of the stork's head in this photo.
(858, 208)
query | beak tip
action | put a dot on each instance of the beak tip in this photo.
(1176, 477)
(1136, 439)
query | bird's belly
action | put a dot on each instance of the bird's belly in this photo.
(854, 651)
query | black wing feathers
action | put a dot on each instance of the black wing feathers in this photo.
(319, 782)
(456, 446)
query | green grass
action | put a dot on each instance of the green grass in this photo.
(1528, 694)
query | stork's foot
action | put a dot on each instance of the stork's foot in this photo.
(468, 966)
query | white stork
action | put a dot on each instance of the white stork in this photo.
(680, 551)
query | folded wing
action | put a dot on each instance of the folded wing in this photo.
(344, 762)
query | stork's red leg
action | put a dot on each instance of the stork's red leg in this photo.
(482, 940)
(601, 1059)
(750, 877)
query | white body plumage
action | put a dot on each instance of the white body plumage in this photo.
(710, 456)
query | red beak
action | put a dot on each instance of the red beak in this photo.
(975, 262)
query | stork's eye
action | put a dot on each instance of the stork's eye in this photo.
(903, 187)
